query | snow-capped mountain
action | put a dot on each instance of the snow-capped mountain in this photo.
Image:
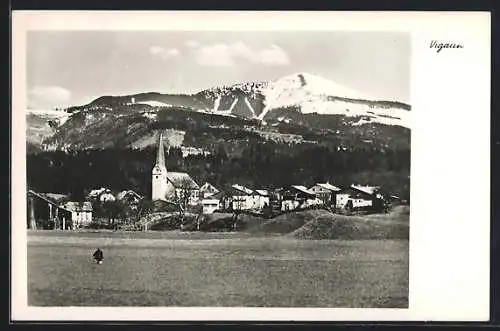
(300, 103)
(308, 93)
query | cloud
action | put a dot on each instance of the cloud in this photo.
(227, 55)
(49, 96)
(192, 43)
(219, 55)
(164, 53)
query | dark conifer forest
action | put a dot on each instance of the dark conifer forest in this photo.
(258, 165)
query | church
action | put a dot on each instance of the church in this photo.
(172, 186)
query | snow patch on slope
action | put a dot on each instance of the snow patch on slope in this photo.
(387, 116)
(233, 104)
(217, 103)
(153, 103)
(296, 88)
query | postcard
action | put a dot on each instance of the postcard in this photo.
(253, 166)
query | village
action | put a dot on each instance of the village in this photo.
(180, 192)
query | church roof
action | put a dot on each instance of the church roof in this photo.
(182, 180)
(160, 156)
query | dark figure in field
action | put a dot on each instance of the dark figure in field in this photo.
(98, 256)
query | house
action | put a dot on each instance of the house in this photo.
(326, 192)
(261, 199)
(207, 190)
(212, 203)
(44, 210)
(107, 196)
(172, 186)
(81, 213)
(54, 211)
(102, 194)
(95, 193)
(297, 197)
(129, 197)
(242, 197)
(357, 197)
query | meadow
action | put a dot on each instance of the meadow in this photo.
(183, 269)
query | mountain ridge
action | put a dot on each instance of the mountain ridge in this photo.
(301, 104)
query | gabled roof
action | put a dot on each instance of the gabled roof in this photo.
(123, 194)
(208, 187)
(44, 198)
(99, 191)
(264, 193)
(55, 197)
(366, 189)
(78, 206)
(182, 180)
(303, 189)
(242, 189)
(328, 186)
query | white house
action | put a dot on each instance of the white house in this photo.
(212, 203)
(107, 196)
(207, 190)
(325, 192)
(357, 196)
(102, 195)
(242, 197)
(298, 197)
(81, 212)
(261, 199)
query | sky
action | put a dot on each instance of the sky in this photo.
(74, 67)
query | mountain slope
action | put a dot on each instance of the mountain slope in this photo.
(299, 108)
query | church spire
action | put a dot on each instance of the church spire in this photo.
(160, 156)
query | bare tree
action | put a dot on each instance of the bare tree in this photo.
(182, 197)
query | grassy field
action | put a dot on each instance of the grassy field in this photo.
(214, 269)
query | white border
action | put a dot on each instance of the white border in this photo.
(450, 95)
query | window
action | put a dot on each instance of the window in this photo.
(156, 176)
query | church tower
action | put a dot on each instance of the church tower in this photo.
(159, 173)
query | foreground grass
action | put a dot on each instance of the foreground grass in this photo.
(180, 269)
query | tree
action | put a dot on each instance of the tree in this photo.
(183, 196)
(113, 210)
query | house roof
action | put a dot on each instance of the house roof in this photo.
(98, 191)
(78, 206)
(208, 187)
(123, 194)
(303, 189)
(328, 186)
(366, 189)
(242, 189)
(182, 180)
(44, 198)
(262, 192)
(55, 197)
